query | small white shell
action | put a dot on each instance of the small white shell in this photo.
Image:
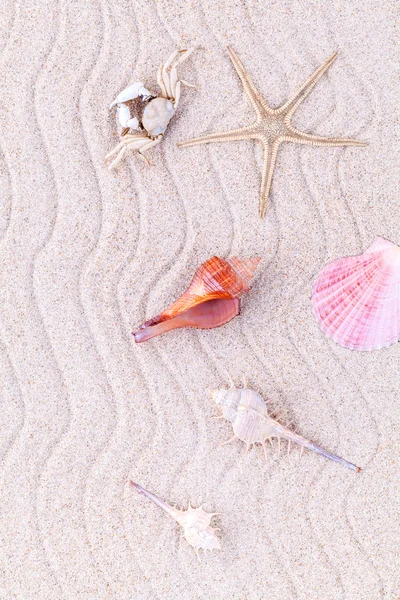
(196, 528)
(194, 521)
(157, 115)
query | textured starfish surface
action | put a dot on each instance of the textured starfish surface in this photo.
(272, 125)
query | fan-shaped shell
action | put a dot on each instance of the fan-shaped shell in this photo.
(219, 283)
(356, 300)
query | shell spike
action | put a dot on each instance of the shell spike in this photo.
(264, 445)
(231, 382)
(304, 443)
(232, 439)
(211, 300)
(247, 448)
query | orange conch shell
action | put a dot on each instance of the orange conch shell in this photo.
(211, 300)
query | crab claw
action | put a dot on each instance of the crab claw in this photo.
(123, 115)
(132, 123)
(125, 119)
(131, 92)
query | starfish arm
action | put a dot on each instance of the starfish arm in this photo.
(234, 135)
(299, 137)
(270, 153)
(301, 94)
(256, 100)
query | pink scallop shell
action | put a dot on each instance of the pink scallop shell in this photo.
(356, 300)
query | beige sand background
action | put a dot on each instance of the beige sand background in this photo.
(85, 256)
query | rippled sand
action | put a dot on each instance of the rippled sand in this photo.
(87, 255)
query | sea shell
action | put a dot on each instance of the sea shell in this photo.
(157, 115)
(195, 522)
(211, 300)
(247, 411)
(356, 300)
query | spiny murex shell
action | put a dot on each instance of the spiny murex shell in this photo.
(195, 522)
(247, 411)
(157, 115)
(356, 299)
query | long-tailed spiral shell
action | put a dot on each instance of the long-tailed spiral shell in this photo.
(356, 300)
(251, 423)
(196, 522)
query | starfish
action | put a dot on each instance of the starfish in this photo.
(272, 125)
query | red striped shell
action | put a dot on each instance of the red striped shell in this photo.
(211, 300)
(356, 300)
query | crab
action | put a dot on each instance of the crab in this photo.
(158, 111)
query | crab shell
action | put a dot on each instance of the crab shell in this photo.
(157, 115)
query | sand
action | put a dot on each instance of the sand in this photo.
(87, 255)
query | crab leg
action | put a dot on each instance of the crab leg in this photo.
(135, 144)
(114, 150)
(187, 84)
(184, 56)
(232, 439)
(117, 159)
(173, 79)
(177, 94)
(165, 74)
(125, 142)
(171, 59)
(168, 80)
(150, 144)
(161, 83)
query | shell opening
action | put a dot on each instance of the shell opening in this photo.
(207, 315)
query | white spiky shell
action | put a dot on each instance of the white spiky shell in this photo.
(251, 423)
(356, 299)
(157, 115)
(195, 522)
(197, 529)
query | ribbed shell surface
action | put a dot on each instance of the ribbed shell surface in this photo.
(356, 300)
(248, 414)
(216, 278)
